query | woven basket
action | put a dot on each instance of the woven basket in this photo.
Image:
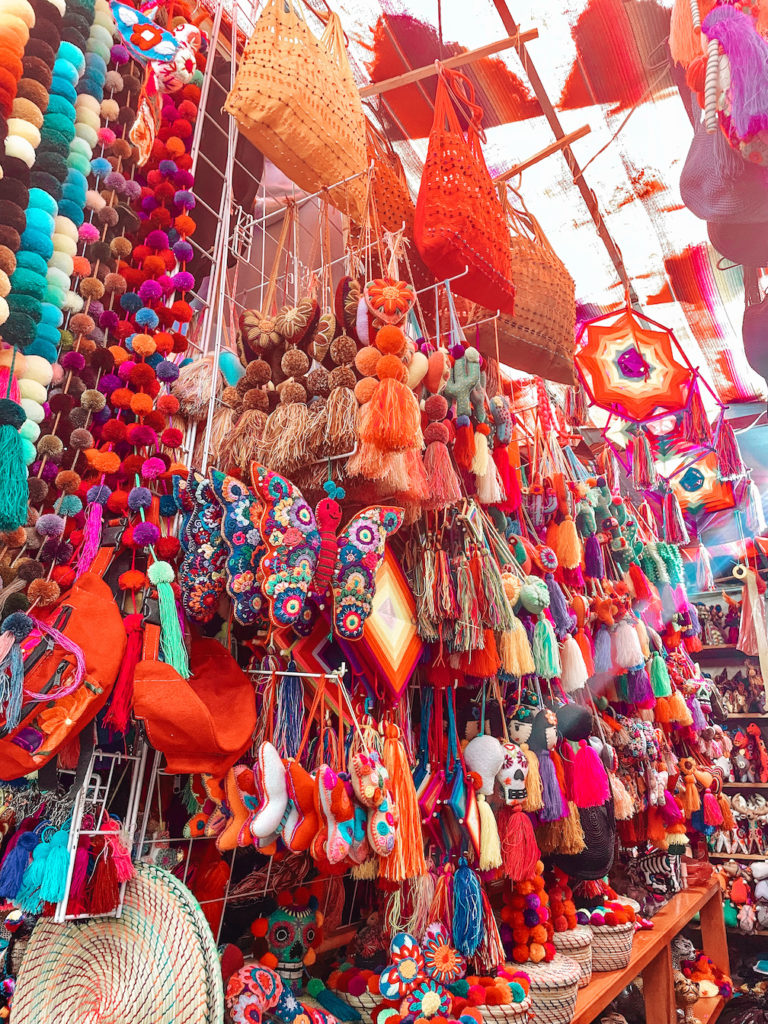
(577, 944)
(156, 964)
(554, 988)
(612, 947)
(364, 1004)
(508, 1012)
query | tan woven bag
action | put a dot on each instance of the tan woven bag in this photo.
(295, 99)
(538, 337)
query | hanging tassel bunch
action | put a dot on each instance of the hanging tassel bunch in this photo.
(695, 426)
(675, 530)
(730, 465)
(644, 475)
(16, 627)
(407, 857)
(467, 924)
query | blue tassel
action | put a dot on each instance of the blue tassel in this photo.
(602, 659)
(554, 807)
(54, 881)
(467, 910)
(559, 609)
(289, 714)
(28, 897)
(15, 864)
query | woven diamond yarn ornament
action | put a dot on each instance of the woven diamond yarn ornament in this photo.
(629, 365)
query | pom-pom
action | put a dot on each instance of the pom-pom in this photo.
(43, 592)
(390, 339)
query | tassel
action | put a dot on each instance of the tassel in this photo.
(515, 651)
(679, 711)
(661, 712)
(558, 608)
(705, 580)
(54, 881)
(103, 890)
(443, 484)
(490, 953)
(14, 492)
(407, 857)
(754, 510)
(76, 901)
(533, 792)
(675, 530)
(685, 42)
(699, 722)
(468, 634)
(572, 840)
(94, 515)
(123, 864)
(481, 458)
(695, 425)
(590, 781)
(490, 845)
(121, 702)
(467, 922)
(660, 682)
(508, 464)
(28, 897)
(644, 475)
(623, 808)
(568, 546)
(289, 714)
(574, 671)
(15, 864)
(625, 646)
(341, 411)
(16, 628)
(712, 813)
(546, 654)
(748, 55)
(639, 690)
(497, 612)
(603, 660)
(690, 799)
(639, 583)
(482, 662)
(171, 638)
(553, 806)
(441, 908)
(670, 811)
(730, 465)
(519, 849)
(594, 566)
(464, 446)
(725, 809)
(489, 485)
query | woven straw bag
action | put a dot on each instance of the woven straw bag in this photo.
(577, 944)
(459, 228)
(390, 198)
(554, 988)
(365, 1004)
(509, 1013)
(295, 99)
(538, 337)
(612, 946)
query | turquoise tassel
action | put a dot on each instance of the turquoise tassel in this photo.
(28, 897)
(171, 638)
(546, 655)
(14, 491)
(54, 880)
(660, 683)
(467, 922)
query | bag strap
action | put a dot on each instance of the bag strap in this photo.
(455, 91)
(150, 645)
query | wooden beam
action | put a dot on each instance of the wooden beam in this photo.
(510, 26)
(553, 147)
(417, 74)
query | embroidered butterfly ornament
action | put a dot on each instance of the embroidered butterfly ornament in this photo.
(306, 556)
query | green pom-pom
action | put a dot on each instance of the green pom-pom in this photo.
(459, 988)
(314, 987)
(160, 572)
(517, 990)
(11, 414)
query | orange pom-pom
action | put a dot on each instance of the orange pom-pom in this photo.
(168, 405)
(132, 579)
(537, 952)
(143, 345)
(103, 462)
(367, 360)
(520, 954)
(365, 389)
(81, 267)
(390, 339)
(163, 342)
(269, 960)
(390, 367)
(141, 404)
(43, 592)
(118, 354)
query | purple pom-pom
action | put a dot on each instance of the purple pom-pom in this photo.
(98, 494)
(140, 497)
(132, 189)
(96, 308)
(165, 283)
(109, 383)
(167, 167)
(157, 239)
(149, 203)
(185, 199)
(456, 351)
(145, 533)
(115, 180)
(183, 281)
(72, 362)
(532, 901)
(109, 319)
(183, 251)
(150, 291)
(50, 525)
(582, 917)
(531, 918)
(119, 54)
(166, 371)
(183, 179)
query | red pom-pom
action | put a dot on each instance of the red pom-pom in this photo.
(167, 548)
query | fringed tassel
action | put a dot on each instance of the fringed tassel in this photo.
(623, 808)
(464, 446)
(441, 909)
(572, 839)
(546, 654)
(644, 474)
(695, 426)
(28, 897)
(407, 857)
(16, 628)
(712, 814)
(289, 714)
(171, 638)
(467, 925)
(15, 864)
(594, 565)
(103, 890)
(54, 881)
(705, 580)
(567, 544)
(748, 56)
(341, 422)
(393, 423)
(640, 583)
(574, 671)
(490, 952)
(468, 634)
(121, 701)
(685, 41)
(590, 780)
(519, 848)
(730, 465)
(675, 530)
(94, 515)
(443, 484)
(660, 682)
(490, 844)
(558, 609)
(534, 797)
(553, 800)
(725, 809)
(575, 406)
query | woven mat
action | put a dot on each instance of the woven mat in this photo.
(156, 964)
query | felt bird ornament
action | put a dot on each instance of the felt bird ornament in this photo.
(305, 557)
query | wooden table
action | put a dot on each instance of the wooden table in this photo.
(651, 958)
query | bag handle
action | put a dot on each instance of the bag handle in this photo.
(269, 297)
(455, 91)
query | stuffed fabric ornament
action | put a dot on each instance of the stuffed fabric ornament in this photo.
(287, 935)
(272, 792)
(512, 774)
(370, 781)
(485, 756)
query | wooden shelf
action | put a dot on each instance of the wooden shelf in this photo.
(745, 785)
(651, 957)
(708, 1010)
(746, 716)
(723, 653)
(738, 856)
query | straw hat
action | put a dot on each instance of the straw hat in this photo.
(156, 964)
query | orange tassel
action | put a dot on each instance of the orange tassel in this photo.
(393, 420)
(407, 857)
(725, 807)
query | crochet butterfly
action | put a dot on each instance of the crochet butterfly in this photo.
(305, 557)
(242, 513)
(144, 40)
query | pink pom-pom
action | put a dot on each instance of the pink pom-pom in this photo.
(152, 468)
(88, 232)
(106, 136)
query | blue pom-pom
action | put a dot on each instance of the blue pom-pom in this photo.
(168, 505)
(19, 624)
(330, 488)
(154, 359)
(340, 494)
(139, 497)
(131, 302)
(98, 493)
(101, 166)
(147, 317)
(167, 167)
(72, 210)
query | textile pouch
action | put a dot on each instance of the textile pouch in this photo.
(459, 223)
(70, 668)
(191, 720)
(296, 100)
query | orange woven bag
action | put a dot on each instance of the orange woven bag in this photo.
(390, 197)
(459, 220)
(296, 100)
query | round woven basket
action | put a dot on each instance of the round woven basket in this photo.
(577, 944)
(508, 1012)
(554, 988)
(364, 1004)
(155, 964)
(612, 946)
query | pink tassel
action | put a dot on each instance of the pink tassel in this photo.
(695, 425)
(123, 864)
(590, 780)
(519, 849)
(670, 812)
(76, 902)
(91, 538)
(729, 462)
(71, 648)
(121, 701)
(712, 813)
(442, 482)
(675, 530)
(575, 406)
(748, 55)
(644, 473)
